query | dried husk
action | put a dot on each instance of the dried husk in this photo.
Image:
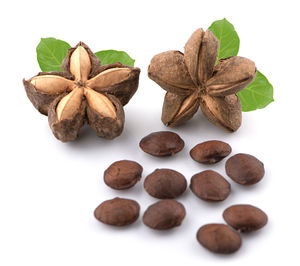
(224, 112)
(42, 100)
(107, 127)
(171, 113)
(66, 129)
(169, 71)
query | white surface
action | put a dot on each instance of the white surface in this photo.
(48, 190)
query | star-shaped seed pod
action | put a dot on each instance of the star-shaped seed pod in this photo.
(84, 91)
(194, 79)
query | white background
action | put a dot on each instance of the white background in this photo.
(49, 190)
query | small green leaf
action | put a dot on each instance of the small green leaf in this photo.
(227, 36)
(50, 53)
(257, 95)
(113, 56)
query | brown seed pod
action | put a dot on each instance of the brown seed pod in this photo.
(84, 91)
(194, 79)
(117, 212)
(164, 214)
(162, 143)
(244, 169)
(245, 218)
(219, 238)
(210, 152)
(165, 184)
(123, 174)
(209, 185)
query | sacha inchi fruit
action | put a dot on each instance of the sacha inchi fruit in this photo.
(84, 92)
(194, 79)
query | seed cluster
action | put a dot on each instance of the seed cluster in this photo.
(168, 184)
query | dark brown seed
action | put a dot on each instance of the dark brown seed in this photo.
(219, 238)
(162, 143)
(244, 169)
(118, 212)
(164, 214)
(245, 218)
(165, 184)
(123, 174)
(210, 152)
(209, 185)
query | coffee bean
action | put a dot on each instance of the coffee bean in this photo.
(164, 214)
(245, 218)
(123, 174)
(162, 143)
(219, 238)
(165, 184)
(117, 211)
(244, 169)
(210, 152)
(209, 185)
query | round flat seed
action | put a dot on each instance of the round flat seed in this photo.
(162, 143)
(219, 238)
(210, 152)
(245, 218)
(164, 214)
(117, 212)
(165, 184)
(244, 169)
(123, 174)
(209, 185)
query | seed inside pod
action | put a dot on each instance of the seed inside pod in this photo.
(245, 218)
(165, 184)
(162, 143)
(244, 169)
(219, 238)
(210, 152)
(164, 214)
(209, 185)
(123, 174)
(117, 212)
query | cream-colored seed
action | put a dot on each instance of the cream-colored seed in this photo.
(50, 83)
(69, 105)
(100, 103)
(80, 64)
(109, 77)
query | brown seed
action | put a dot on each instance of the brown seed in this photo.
(165, 184)
(219, 238)
(209, 185)
(162, 143)
(210, 152)
(164, 214)
(117, 211)
(244, 169)
(123, 174)
(245, 218)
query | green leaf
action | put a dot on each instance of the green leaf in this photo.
(257, 95)
(50, 53)
(113, 56)
(227, 36)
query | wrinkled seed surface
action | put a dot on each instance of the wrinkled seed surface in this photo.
(162, 143)
(164, 214)
(123, 174)
(245, 218)
(210, 152)
(219, 238)
(117, 212)
(210, 185)
(165, 184)
(244, 169)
